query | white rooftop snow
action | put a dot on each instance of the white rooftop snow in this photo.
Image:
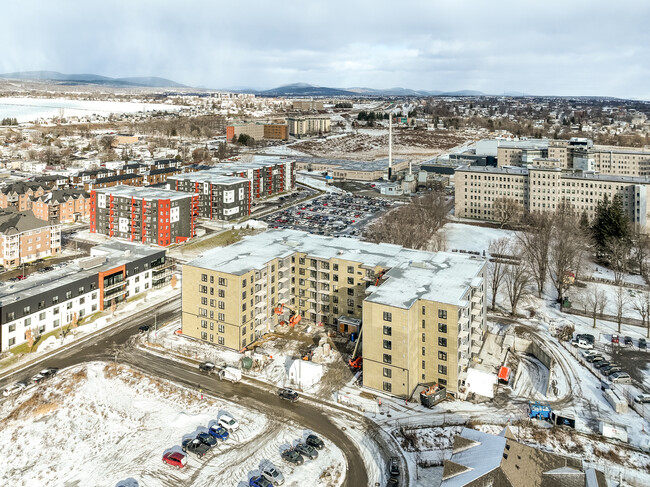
(480, 382)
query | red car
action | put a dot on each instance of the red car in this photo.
(175, 459)
(614, 338)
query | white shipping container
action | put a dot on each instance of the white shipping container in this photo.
(615, 431)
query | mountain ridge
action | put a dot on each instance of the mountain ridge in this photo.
(89, 78)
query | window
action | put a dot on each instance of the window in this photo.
(26, 310)
(243, 283)
(423, 324)
(12, 328)
(350, 280)
(335, 267)
(221, 317)
(442, 327)
(442, 314)
(221, 341)
(388, 330)
(55, 299)
(387, 359)
(221, 328)
(94, 296)
(424, 337)
(223, 281)
(12, 342)
(203, 312)
(222, 305)
(424, 351)
(69, 305)
(243, 342)
(442, 382)
(204, 277)
(204, 335)
(350, 291)
(424, 364)
(388, 372)
(41, 304)
(93, 307)
(388, 316)
(203, 289)
(424, 310)
(68, 294)
(11, 316)
(41, 316)
(442, 342)
(442, 356)
(28, 321)
(388, 345)
(387, 386)
(222, 293)
(81, 290)
(204, 324)
(442, 369)
(83, 300)
(55, 311)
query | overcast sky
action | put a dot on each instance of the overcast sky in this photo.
(570, 47)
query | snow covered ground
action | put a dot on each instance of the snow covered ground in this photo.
(320, 184)
(462, 236)
(99, 424)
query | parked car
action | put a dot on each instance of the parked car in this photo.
(38, 378)
(292, 456)
(259, 482)
(288, 395)
(207, 439)
(307, 451)
(175, 459)
(207, 367)
(229, 423)
(615, 339)
(588, 353)
(49, 372)
(642, 343)
(196, 446)
(610, 369)
(621, 377)
(594, 358)
(273, 475)
(315, 441)
(393, 467)
(601, 363)
(144, 328)
(628, 341)
(14, 389)
(218, 432)
(392, 482)
(642, 398)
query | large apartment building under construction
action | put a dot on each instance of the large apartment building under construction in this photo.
(422, 313)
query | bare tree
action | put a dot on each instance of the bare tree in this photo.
(621, 304)
(29, 336)
(619, 257)
(642, 306)
(499, 249)
(640, 250)
(536, 242)
(596, 300)
(566, 247)
(516, 279)
(506, 210)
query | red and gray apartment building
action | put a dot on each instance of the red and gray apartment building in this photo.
(145, 215)
(226, 191)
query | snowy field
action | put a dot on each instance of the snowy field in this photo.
(100, 425)
(31, 109)
(461, 236)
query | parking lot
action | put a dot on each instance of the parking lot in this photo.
(331, 214)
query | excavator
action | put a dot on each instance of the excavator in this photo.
(294, 318)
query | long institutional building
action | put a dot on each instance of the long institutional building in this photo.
(537, 188)
(46, 302)
(423, 314)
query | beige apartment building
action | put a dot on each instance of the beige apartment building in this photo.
(310, 125)
(422, 313)
(24, 238)
(306, 105)
(543, 188)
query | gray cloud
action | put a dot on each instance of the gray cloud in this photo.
(552, 47)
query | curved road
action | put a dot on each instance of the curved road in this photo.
(115, 342)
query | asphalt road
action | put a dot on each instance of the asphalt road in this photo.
(116, 342)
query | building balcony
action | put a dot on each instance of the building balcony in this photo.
(476, 299)
(114, 285)
(476, 311)
(476, 348)
(464, 334)
(464, 321)
(115, 293)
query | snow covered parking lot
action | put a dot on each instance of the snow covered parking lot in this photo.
(101, 425)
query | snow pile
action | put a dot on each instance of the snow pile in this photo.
(480, 382)
(305, 374)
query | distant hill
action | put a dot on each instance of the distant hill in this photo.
(93, 79)
(304, 89)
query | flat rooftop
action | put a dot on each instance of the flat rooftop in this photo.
(207, 176)
(143, 193)
(117, 254)
(414, 274)
(348, 165)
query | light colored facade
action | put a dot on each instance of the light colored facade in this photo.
(543, 188)
(310, 125)
(62, 206)
(46, 302)
(24, 238)
(307, 104)
(423, 313)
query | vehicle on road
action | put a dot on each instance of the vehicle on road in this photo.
(628, 341)
(229, 423)
(49, 372)
(392, 482)
(207, 439)
(175, 459)
(292, 456)
(14, 388)
(642, 398)
(38, 378)
(196, 446)
(307, 451)
(206, 367)
(601, 363)
(218, 432)
(288, 395)
(273, 475)
(621, 377)
(259, 482)
(615, 339)
(642, 343)
(230, 373)
(315, 441)
(393, 467)
(144, 328)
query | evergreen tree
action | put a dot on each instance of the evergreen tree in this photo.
(610, 223)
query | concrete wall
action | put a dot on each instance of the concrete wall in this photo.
(536, 349)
